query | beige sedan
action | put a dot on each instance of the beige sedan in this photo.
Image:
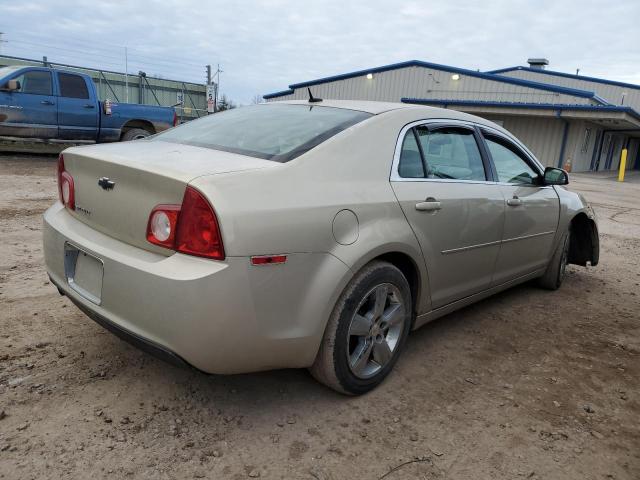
(307, 235)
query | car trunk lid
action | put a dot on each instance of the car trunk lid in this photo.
(136, 177)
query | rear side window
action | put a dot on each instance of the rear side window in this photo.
(73, 86)
(36, 82)
(510, 163)
(273, 132)
(410, 160)
(451, 153)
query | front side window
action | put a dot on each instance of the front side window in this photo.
(73, 86)
(451, 153)
(510, 164)
(36, 82)
(273, 132)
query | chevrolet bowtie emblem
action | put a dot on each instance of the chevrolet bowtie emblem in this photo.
(106, 184)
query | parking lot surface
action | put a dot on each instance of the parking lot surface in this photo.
(528, 384)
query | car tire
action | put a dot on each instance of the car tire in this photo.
(555, 273)
(366, 331)
(134, 134)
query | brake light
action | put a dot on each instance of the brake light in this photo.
(190, 228)
(175, 118)
(198, 231)
(66, 187)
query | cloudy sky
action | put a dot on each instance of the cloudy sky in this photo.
(264, 45)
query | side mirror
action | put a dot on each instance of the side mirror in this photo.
(11, 85)
(555, 176)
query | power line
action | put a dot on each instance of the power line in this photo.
(110, 50)
(88, 57)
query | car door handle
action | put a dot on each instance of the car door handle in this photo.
(429, 205)
(47, 102)
(88, 105)
(514, 202)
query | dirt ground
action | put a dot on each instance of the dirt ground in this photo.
(528, 384)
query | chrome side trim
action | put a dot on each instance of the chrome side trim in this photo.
(470, 247)
(528, 236)
(497, 242)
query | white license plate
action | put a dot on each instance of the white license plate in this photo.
(84, 273)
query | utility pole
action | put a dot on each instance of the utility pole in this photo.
(126, 73)
(217, 86)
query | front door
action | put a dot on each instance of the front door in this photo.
(77, 112)
(531, 211)
(455, 213)
(30, 111)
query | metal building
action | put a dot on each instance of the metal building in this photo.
(141, 88)
(575, 122)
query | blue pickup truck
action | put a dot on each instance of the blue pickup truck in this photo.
(58, 105)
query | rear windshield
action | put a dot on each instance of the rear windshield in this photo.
(273, 132)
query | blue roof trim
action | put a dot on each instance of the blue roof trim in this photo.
(540, 106)
(435, 66)
(277, 94)
(566, 75)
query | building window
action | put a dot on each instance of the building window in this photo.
(587, 139)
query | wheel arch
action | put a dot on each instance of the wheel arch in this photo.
(137, 123)
(584, 246)
(412, 266)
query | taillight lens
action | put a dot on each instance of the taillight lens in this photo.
(198, 230)
(66, 188)
(175, 118)
(163, 222)
(190, 228)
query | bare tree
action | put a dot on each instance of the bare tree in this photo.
(257, 98)
(225, 104)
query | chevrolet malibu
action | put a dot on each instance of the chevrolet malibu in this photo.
(306, 234)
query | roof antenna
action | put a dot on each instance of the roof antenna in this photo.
(313, 99)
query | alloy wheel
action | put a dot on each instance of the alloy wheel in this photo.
(375, 330)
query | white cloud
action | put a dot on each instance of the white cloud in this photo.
(264, 46)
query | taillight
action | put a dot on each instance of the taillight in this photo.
(175, 118)
(190, 228)
(66, 188)
(163, 221)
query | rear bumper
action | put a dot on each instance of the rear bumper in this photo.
(137, 341)
(220, 317)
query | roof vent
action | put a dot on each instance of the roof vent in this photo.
(538, 63)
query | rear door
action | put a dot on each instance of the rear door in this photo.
(30, 111)
(531, 210)
(443, 184)
(77, 110)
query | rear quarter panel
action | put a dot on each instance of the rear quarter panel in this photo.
(291, 208)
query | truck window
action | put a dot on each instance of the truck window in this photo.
(72, 86)
(36, 82)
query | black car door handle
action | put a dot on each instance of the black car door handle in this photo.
(47, 102)
(88, 105)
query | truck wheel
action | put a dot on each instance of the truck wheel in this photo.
(366, 331)
(134, 134)
(553, 277)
